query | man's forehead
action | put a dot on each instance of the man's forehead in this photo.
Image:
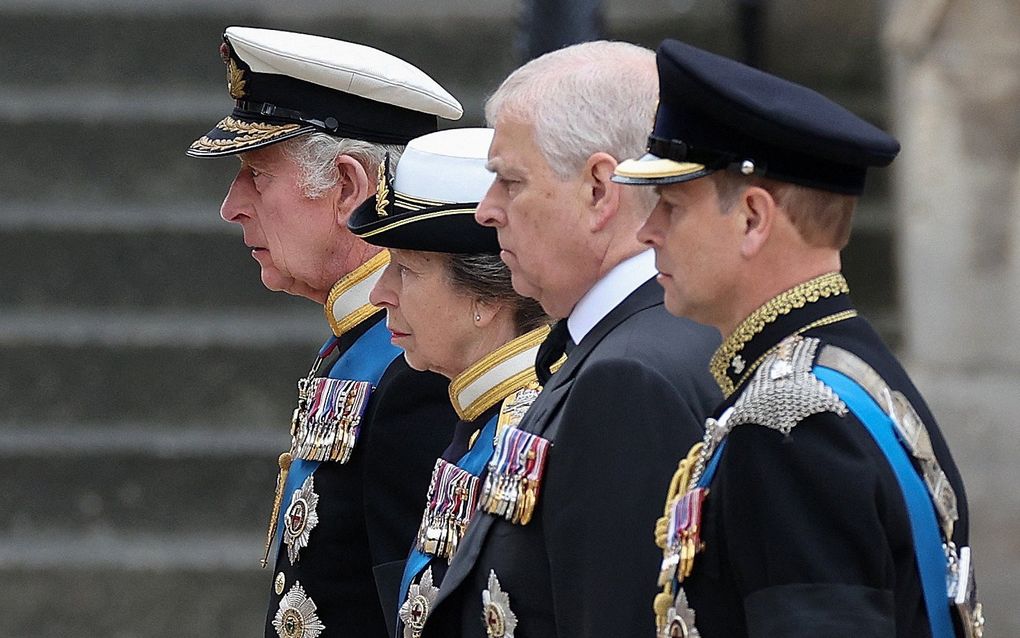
(266, 156)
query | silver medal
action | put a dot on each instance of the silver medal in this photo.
(300, 518)
(415, 610)
(680, 620)
(499, 620)
(296, 617)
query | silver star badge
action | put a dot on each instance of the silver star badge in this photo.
(499, 620)
(300, 518)
(680, 620)
(415, 610)
(296, 617)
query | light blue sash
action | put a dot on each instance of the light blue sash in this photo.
(931, 558)
(366, 360)
(474, 462)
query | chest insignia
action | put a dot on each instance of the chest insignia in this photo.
(784, 391)
(415, 610)
(499, 620)
(680, 620)
(515, 475)
(300, 518)
(296, 617)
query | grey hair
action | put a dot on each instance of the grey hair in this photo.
(487, 279)
(316, 153)
(583, 99)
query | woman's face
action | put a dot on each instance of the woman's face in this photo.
(426, 315)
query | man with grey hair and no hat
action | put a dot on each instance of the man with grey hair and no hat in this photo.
(560, 542)
(313, 121)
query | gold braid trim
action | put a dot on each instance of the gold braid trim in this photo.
(246, 133)
(827, 285)
(824, 321)
(342, 324)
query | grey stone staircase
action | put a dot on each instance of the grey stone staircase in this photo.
(146, 377)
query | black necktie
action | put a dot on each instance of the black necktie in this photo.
(555, 345)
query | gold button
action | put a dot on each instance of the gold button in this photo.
(281, 580)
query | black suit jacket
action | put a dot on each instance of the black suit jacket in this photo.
(369, 508)
(629, 400)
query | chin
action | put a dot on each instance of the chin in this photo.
(523, 287)
(414, 363)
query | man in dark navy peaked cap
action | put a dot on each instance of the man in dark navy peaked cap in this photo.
(823, 500)
(313, 120)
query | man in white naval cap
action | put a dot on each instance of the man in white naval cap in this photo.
(313, 120)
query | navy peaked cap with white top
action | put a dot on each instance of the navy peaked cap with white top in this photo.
(287, 84)
(430, 202)
(715, 113)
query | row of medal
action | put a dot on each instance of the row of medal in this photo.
(510, 490)
(515, 476)
(328, 418)
(452, 499)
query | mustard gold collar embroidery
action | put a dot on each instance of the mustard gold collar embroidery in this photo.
(729, 353)
(495, 376)
(347, 304)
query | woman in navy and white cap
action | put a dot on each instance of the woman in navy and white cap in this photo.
(451, 306)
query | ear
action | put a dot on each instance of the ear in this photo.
(601, 193)
(483, 313)
(759, 212)
(352, 188)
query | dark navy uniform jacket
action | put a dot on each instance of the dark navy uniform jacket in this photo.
(806, 533)
(370, 506)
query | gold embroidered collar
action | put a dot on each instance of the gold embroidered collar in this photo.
(730, 365)
(347, 304)
(497, 375)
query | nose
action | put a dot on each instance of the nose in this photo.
(237, 203)
(491, 210)
(383, 293)
(650, 233)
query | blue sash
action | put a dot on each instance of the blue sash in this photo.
(931, 559)
(366, 360)
(474, 462)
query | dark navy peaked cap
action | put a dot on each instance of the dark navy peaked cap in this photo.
(715, 113)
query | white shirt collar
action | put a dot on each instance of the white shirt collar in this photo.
(607, 293)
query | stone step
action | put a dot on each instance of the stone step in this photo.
(130, 480)
(159, 587)
(467, 46)
(213, 368)
(132, 257)
(110, 162)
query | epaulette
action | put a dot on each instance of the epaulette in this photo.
(784, 391)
